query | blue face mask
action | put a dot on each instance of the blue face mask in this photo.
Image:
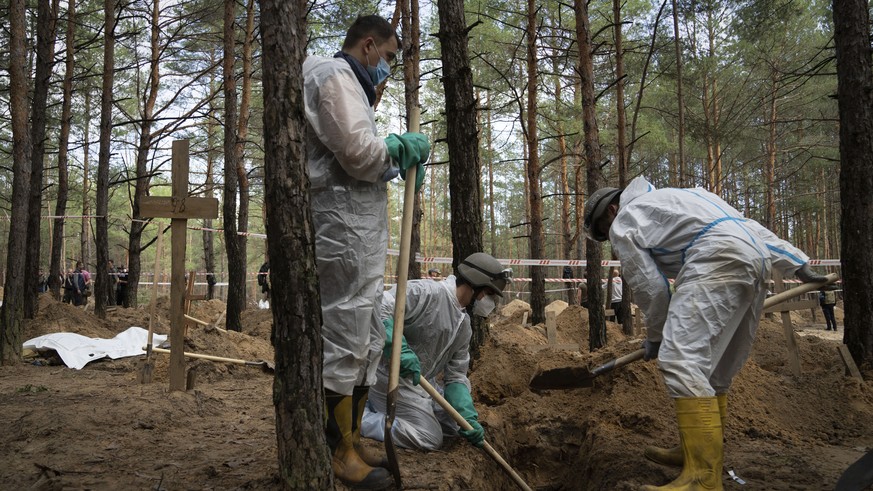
(381, 71)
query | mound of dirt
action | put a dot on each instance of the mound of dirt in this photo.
(515, 308)
(783, 432)
(557, 307)
(779, 427)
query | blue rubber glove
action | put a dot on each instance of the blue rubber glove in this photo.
(410, 366)
(459, 397)
(407, 150)
(652, 348)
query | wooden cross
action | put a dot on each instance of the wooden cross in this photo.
(179, 208)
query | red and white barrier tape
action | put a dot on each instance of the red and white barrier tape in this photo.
(565, 262)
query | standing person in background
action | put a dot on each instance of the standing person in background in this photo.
(701, 330)
(827, 298)
(349, 165)
(67, 282)
(615, 302)
(567, 274)
(121, 288)
(264, 283)
(79, 285)
(86, 292)
(434, 274)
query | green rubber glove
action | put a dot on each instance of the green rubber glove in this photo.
(459, 397)
(410, 366)
(407, 150)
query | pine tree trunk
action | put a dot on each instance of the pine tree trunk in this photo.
(236, 288)
(770, 169)
(463, 142)
(680, 101)
(627, 325)
(461, 136)
(855, 100)
(137, 227)
(242, 134)
(101, 285)
(492, 229)
(411, 35)
(209, 192)
(535, 195)
(57, 265)
(564, 215)
(304, 460)
(594, 253)
(12, 311)
(85, 234)
(45, 26)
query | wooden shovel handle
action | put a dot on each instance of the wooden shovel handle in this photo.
(400, 307)
(799, 290)
(618, 362)
(214, 358)
(466, 426)
(774, 300)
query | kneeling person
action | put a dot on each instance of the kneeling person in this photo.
(436, 339)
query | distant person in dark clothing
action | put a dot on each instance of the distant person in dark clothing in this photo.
(79, 285)
(42, 285)
(69, 286)
(121, 287)
(567, 274)
(264, 282)
(210, 285)
(828, 300)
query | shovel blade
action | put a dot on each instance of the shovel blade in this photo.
(146, 372)
(562, 378)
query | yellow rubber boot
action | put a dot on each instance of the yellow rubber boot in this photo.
(673, 456)
(702, 446)
(373, 458)
(347, 464)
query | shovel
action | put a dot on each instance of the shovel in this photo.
(466, 426)
(858, 476)
(580, 377)
(265, 366)
(400, 307)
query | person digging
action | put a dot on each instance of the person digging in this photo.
(436, 347)
(701, 330)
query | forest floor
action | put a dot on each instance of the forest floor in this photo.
(98, 428)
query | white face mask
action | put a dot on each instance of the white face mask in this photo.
(484, 307)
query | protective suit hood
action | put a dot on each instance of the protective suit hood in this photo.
(638, 187)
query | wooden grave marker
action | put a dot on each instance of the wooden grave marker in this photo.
(793, 351)
(179, 208)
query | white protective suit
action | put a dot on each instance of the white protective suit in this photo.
(349, 212)
(720, 262)
(438, 330)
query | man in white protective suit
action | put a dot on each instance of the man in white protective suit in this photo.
(349, 165)
(436, 345)
(701, 331)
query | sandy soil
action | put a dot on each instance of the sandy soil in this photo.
(98, 428)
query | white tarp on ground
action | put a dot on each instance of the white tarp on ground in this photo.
(77, 350)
